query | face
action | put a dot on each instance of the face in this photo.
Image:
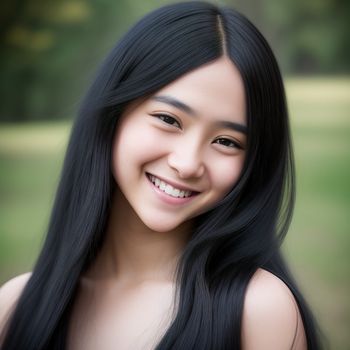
(177, 153)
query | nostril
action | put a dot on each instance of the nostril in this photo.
(186, 166)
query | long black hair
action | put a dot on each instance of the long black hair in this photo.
(230, 242)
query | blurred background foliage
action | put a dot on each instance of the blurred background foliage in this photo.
(50, 48)
(50, 51)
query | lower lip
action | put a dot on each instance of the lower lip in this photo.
(169, 199)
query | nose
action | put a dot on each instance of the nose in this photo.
(187, 161)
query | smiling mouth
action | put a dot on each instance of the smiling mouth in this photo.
(169, 189)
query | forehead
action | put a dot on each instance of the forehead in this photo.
(214, 89)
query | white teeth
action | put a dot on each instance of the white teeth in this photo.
(168, 189)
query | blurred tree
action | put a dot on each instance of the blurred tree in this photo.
(307, 36)
(49, 51)
(313, 35)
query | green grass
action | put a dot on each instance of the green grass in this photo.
(318, 242)
(30, 160)
(316, 246)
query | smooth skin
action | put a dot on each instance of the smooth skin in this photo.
(190, 134)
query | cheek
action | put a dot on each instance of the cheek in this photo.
(125, 145)
(133, 146)
(225, 174)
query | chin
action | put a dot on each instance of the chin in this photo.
(163, 225)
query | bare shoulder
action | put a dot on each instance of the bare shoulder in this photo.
(9, 294)
(271, 317)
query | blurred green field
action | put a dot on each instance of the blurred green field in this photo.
(317, 245)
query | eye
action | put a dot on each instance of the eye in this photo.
(228, 143)
(168, 119)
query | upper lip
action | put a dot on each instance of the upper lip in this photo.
(174, 184)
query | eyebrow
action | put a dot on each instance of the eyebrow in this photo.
(189, 110)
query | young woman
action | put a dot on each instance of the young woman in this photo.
(176, 192)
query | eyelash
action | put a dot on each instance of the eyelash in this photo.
(234, 143)
(163, 117)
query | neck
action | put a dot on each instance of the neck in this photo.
(131, 251)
